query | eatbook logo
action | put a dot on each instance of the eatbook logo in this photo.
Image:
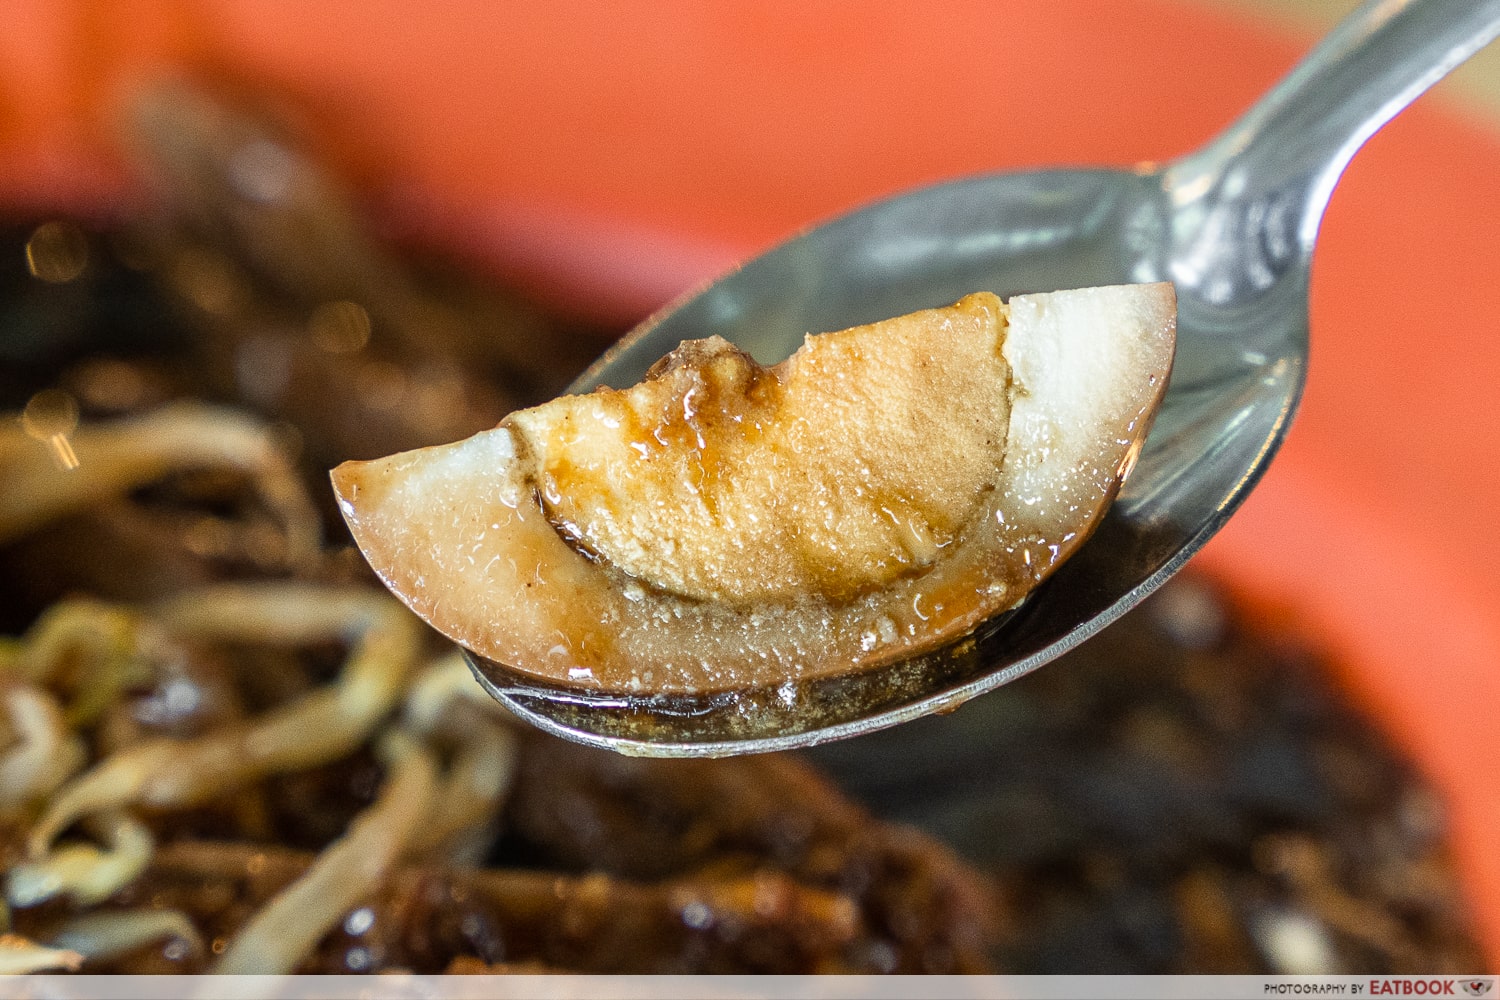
(1477, 987)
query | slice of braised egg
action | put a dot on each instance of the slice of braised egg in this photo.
(726, 527)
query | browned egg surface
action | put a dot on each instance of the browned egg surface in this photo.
(724, 525)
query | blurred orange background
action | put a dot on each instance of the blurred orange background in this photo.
(609, 156)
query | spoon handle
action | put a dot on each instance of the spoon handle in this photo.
(1298, 139)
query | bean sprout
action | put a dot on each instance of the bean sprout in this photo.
(277, 937)
(107, 641)
(482, 769)
(274, 612)
(98, 936)
(470, 797)
(19, 956)
(84, 872)
(323, 725)
(43, 754)
(436, 689)
(115, 458)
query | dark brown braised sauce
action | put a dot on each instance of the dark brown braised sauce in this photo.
(1180, 795)
(1187, 792)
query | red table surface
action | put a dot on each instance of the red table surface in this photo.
(615, 154)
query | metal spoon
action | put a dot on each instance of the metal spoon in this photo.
(1232, 225)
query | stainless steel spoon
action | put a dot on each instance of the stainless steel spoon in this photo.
(1232, 225)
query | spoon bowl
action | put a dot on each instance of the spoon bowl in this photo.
(1233, 226)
